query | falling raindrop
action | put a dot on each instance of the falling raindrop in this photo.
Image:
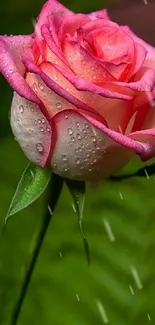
(102, 311)
(39, 147)
(131, 289)
(77, 296)
(49, 209)
(121, 196)
(136, 278)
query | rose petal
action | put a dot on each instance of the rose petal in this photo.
(84, 152)
(150, 57)
(147, 138)
(56, 11)
(144, 80)
(139, 57)
(106, 107)
(69, 26)
(102, 14)
(11, 66)
(116, 45)
(60, 91)
(126, 141)
(31, 129)
(108, 91)
(84, 65)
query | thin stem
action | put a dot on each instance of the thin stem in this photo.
(55, 190)
(146, 171)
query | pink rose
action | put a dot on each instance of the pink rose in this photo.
(84, 92)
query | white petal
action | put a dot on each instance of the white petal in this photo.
(31, 129)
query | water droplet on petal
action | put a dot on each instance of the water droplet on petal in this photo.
(77, 160)
(39, 147)
(86, 126)
(48, 129)
(78, 136)
(72, 139)
(40, 86)
(66, 116)
(58, 105)
(6, 64)
(41, 129)
(42, 120)
(35, 88)
(93, 138)
(39, 121)
(70, 131)
(21, 108)
(64, 158)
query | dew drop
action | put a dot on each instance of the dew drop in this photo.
(39, 147)
(93, 138)
(39, 121)
(41, 129)
(77, 160)
(42, 120)
(66, 116)
(65, 170)
(64, 158)
(21, 108)
(78, 125)
(58, 105)
(86, 126)
(79, 149)
(54, 165)
(11, 70)
(84, 131)
(5, 64)
(35, 88)
(72, 139)
(70, 131)
(78, 136)
(40, 86)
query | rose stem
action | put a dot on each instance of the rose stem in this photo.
(146, 171)
(55, 190)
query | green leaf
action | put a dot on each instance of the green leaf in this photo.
(77, 190)
(32, 184)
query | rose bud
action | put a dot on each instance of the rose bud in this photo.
(84, 92)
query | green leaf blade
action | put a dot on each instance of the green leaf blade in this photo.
(32, 184)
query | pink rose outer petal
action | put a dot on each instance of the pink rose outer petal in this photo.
(84, 152)
(31, 129)
(11, 66)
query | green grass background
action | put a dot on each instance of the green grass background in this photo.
(64, 290)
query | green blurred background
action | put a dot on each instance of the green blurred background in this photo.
(119, 285)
